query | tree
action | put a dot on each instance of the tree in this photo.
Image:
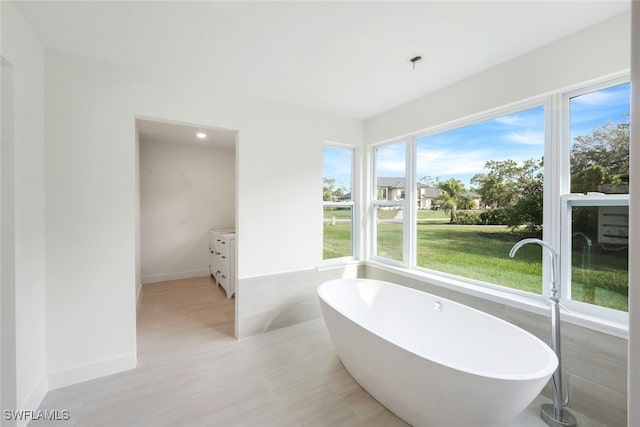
(515, 188)
(465, 202)
(606, 146)
(498, 187)
(592, 178)
(329, 191)
(502, 185)
(451, 192)
(430, 181)
(527, 209)
(599, 158)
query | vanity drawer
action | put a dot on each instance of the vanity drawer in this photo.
(223, 280)
(222, 247)
(223, 260)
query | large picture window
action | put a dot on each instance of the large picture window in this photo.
(452, 201)
(338, 206)
(479, 190)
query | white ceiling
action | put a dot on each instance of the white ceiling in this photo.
(350, 58)
(156, 131)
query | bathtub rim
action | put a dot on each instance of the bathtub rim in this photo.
(547, 370)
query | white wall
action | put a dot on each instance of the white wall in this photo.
(91, 196)
(7, 248)
(589, 54)
(185, 189)
(23, 50)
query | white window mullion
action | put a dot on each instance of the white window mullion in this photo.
(374, 206)
(564, 153)
(565, 250)
(410, 239)
(355, 201)
(373, 190)
(552, 185)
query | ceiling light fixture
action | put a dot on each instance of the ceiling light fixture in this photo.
(201, 135)
(414, 60)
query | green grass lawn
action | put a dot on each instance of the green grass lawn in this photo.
(337, 236)
(604, 282)
(481, 252)
(429, 215)
(337, 212)
(337, 240)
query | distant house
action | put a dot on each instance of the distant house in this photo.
(392, 188)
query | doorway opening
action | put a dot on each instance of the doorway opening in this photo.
(186, 187)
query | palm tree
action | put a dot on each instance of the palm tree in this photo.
(451, 191)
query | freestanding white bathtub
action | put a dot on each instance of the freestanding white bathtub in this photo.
(431, 361)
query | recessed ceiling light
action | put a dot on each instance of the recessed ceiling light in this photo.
(201, 135)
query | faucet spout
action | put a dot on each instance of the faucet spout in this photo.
(552, 253)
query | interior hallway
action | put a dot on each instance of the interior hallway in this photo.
(191, 372)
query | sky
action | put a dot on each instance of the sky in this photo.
(595, 108)
(461, 153)
(337, 165)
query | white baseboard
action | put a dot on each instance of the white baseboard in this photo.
(92, 371)
(33, 401)
(153, 278)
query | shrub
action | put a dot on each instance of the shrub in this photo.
(495, 216)
(468, 218)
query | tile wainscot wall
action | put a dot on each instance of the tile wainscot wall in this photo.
(276, 301)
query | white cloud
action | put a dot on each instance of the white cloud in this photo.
(602, 99)
(526, 137)
(593, 98)
(390, 167)
(440, 163)
(390, 160)
(510, 120)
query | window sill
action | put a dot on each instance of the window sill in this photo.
(533, 304)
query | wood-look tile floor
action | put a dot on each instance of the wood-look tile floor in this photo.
(191, 372)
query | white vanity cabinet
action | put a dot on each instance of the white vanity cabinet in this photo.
(222, 265)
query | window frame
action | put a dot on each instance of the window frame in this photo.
(351, 203)
(375, 204)
(568, 200)
(546, 103)
(557, 203)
